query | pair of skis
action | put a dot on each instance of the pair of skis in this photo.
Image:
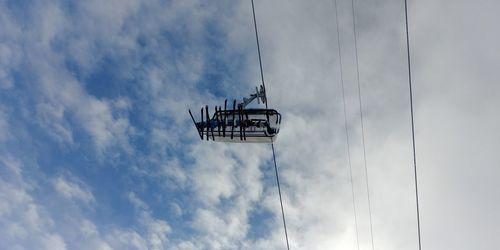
(220, 121)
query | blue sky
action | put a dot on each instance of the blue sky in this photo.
(97, 150)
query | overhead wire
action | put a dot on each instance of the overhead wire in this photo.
(258, 51)
(279, 192)
(412, 123)
(272, 144)
(345, 125)
(362, 122)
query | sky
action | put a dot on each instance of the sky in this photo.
(97, 150)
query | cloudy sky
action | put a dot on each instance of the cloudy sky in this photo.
(97, 150)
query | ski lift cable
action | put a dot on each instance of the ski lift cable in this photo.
(272, 144)
(279, 192)
(345, 125)
(258, 52)
(362, 122)
(412, 123)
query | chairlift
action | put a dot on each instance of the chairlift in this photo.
(239, 124)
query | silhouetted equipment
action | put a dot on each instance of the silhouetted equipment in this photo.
(254, 125)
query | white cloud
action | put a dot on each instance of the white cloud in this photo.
(214, 179)
(138, 203)
(174, 171)
(127, 240)
(61, 99)
(95, 116)
(122, 103)
(75, 190)
(10, 51)
(25, 221)
(228, 183)
(105, 129)
(53, 242)
(155, 230)
(455, 101)
(51, 117)
(455, 95)
(31, 222)
(176, 209)
(4, 125)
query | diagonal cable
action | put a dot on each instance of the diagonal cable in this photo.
(272, 145)
(362, 121)
(345, 125)
(412, 124)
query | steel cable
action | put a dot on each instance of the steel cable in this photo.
(272, 144)
(412, 124)
(362, 122)
(345, 124)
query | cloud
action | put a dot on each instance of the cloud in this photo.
(228, 184)
(25, 221)
(302, 79)
(84, 84)
(138, 203)
(10, 52)
(63, 96)
(4, 125)
(31, 221)
(155, 230)
(60, 99)
(51, 117)
(74, 190)
(127, 240)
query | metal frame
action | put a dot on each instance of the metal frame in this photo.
(220, 120)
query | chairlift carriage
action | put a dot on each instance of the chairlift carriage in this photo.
(239, 124)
